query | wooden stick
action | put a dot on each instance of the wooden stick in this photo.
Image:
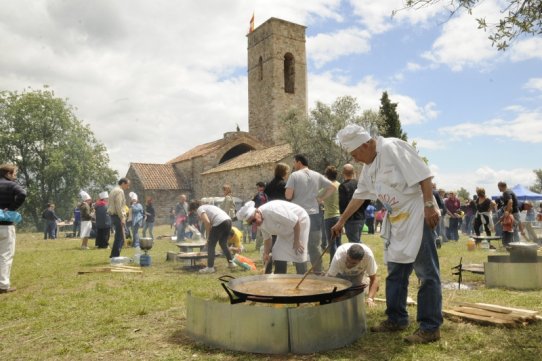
(319, 260)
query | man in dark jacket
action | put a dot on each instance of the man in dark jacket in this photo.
(103, 221)
(51, 220)
(12, 196)
(354, 224)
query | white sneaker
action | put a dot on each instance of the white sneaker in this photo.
(84, 247)
(207, 270)
(232, 265)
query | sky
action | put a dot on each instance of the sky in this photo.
(154, 79)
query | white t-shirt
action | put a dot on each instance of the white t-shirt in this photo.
(366, 266)
(393, 178)
(279, 218)
(216, 215)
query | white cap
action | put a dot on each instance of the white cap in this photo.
(352, 136)
(104, 195)
(132, 196)
(246, 211)
(84, 196)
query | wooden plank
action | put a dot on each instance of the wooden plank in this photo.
(486, 313)
(526, 314)
(517, 310)
(479, 319)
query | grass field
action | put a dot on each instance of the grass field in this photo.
(57, 314)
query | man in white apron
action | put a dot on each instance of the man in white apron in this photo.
(290, 223)
(394, 174)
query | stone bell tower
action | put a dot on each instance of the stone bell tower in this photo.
(277, 77)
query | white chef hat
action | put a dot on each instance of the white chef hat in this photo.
(84, 196)
(104, 195)
(352, 136)
(246, 211)
(132, 196)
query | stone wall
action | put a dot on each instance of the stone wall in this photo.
(163, 199)
(243, 181)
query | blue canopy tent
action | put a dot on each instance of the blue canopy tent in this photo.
(523, 194)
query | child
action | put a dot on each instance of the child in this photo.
(507, 222)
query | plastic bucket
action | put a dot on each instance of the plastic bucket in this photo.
(145, 260)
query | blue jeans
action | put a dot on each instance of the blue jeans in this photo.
(135, 234)
(119, 236)
(50, 230)
(180, 232)
(328, 223)
(315, 236)
(426, 267)
(452, 232)
(353, 230)
(150, 227)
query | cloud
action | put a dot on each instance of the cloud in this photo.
(324, 48)
(484, 176)
(526, 49)
(376, 15)
(462, 43)
(430, 144)
(525, 127)
(534, 84)
(328, 86)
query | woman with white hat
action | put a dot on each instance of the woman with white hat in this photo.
(290, 223)
(86, 218)
(136, 210)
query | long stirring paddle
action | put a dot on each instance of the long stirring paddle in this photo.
(319, 260)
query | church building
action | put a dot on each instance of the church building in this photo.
(277, 83)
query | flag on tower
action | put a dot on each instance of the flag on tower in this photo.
(251, 28)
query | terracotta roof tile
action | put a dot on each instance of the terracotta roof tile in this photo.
(206, 148)
(157, 176)
(254, 158)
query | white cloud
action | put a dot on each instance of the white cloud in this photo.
(430, 144)
(376, 15)
(328, 86)
(413, 66)
(526, 127)
(324, 48)
(462, 43)
(526, 49)
(534, 84)
(484, 176)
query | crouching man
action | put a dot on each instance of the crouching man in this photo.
(355, 262)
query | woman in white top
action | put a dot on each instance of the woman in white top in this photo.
(217, 226)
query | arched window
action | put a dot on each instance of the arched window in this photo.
(260, 68)
(289, 73)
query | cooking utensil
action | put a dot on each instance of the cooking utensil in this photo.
(280, 288)
(319, 260)
(523, 252)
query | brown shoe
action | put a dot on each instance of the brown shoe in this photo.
(388, 326)
(6, 290)
(421, 336)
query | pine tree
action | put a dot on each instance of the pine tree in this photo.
(392, 124)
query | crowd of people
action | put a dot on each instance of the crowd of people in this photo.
(297, 216)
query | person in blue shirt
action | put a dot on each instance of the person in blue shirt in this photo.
(370, 218)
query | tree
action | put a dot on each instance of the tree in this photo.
(537, 187)
(520, 17)
(56, 153)
(463, 194)
(315, 136)
(392, 124)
